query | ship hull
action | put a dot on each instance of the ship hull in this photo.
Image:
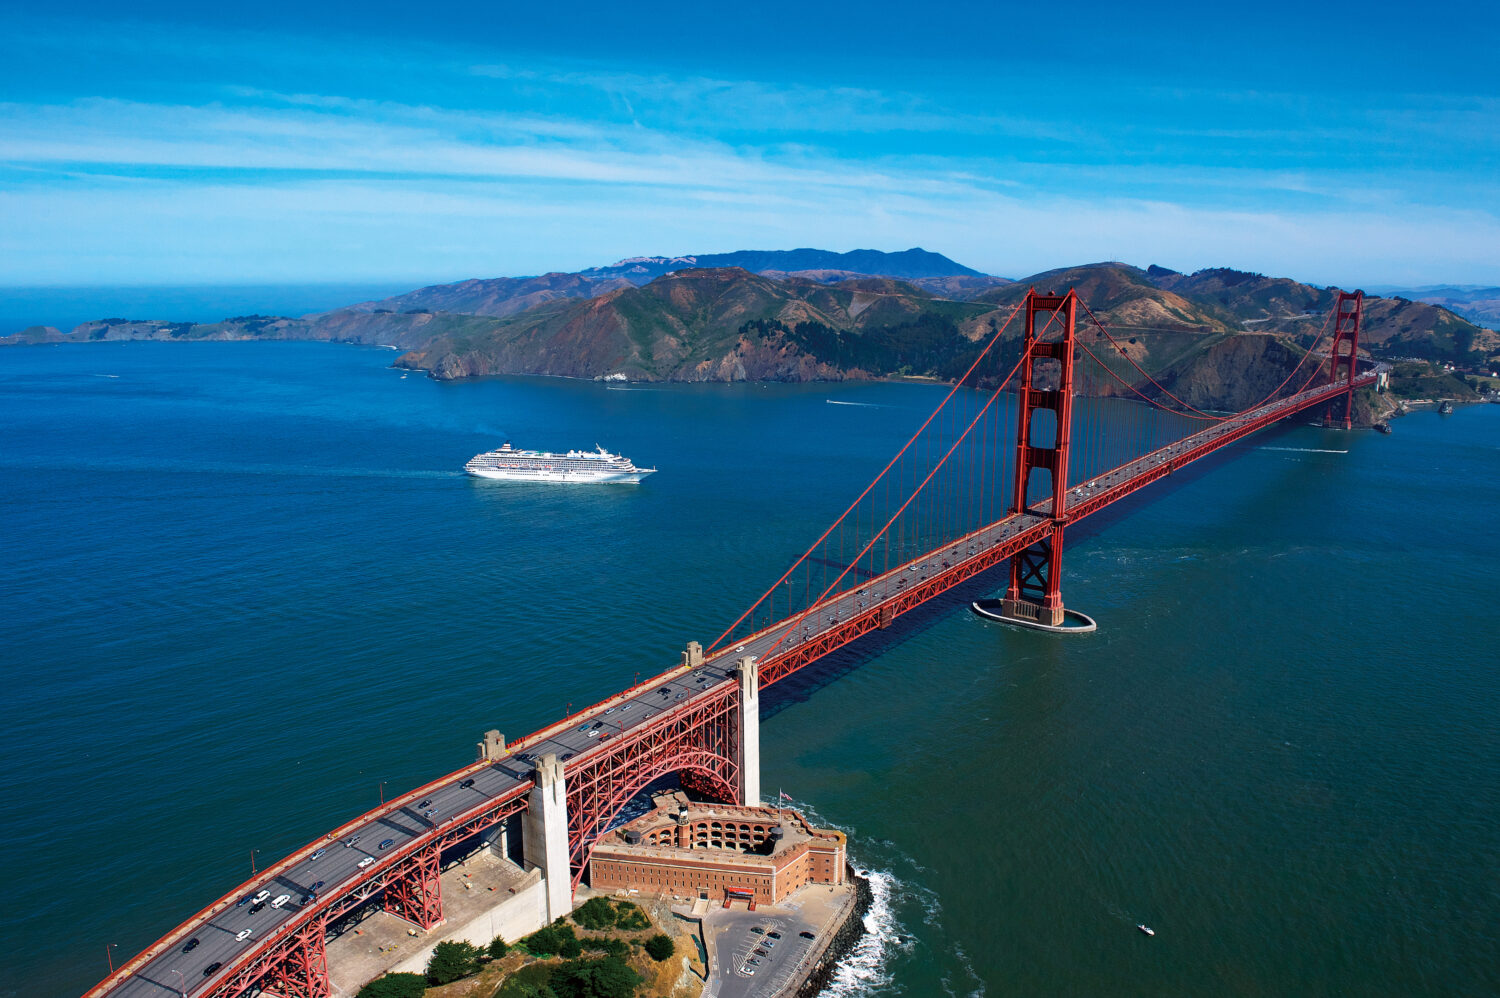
(583, 478)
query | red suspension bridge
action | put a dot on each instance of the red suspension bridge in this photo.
(984, 482)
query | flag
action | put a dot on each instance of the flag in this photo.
(784, 795)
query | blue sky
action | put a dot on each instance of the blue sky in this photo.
(238, 143)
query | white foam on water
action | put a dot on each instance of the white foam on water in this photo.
(1305, 450)
(862, 405)
(866, 968)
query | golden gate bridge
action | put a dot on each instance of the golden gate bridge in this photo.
(989, 482)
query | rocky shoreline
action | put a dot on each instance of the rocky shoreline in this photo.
(843, 940)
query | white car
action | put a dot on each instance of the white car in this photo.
(366, 862)
(260, 897)
(281, 900)
(593, 734)
(243, 935)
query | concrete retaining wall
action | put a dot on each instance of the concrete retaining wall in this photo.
(518, 915)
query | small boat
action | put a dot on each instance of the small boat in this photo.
(1382, 427)
(1146, 929)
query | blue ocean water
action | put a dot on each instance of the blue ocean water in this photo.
(64, 308)
(246, 584)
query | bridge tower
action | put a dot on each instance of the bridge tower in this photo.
(748, 674)
(1347, 312)
(1034, 596)
(544, 834)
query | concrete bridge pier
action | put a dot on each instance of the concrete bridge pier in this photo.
(749, 741)
(545, 835)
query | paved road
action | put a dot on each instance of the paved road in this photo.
(178, 972)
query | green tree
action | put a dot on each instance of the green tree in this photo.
(395, 986)
(607, 977)
(452, 961)
(550, 940)
(595, 913)
(614, 947)
(659, 947)
(497, 948)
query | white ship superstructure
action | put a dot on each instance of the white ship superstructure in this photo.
(597, 465)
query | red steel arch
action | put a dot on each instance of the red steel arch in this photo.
(699, 738)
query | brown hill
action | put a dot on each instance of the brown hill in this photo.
(498, 296)
(1122, 297)
(699, 325)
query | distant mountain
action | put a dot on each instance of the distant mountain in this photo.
(1393, 326)
(498, 296)
(503, 296)
(1122, 297)
(722, 324)
(1477, 303)
(906, 264)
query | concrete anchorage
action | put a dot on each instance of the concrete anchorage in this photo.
(545, 835)
(749, 744)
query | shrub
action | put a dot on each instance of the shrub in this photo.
(595, 913)
(395, 986)
(608, 977)
(497, 948)
(451, 961)
(571, 947)
(613, 947)
(550, 939)
(659, 947)
(528, 982)
(630, 917)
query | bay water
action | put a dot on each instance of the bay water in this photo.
(245, 589)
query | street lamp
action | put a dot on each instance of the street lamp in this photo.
(382, 790)
(108, 955)
(182, 990)
(252, 861)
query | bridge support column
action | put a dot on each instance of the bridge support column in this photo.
(1342, 362)
(749, 742)
(545, 835)
(302, 971)
(1034, 597)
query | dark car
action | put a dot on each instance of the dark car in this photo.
(807, 935)
(192, 944)
(243, 901)
(316, 887)
(761, 952)
(209, 970)
(567, 755)
(466, 784)
(774, 935)
(387, 843)
(758, 930)
(309, 897)
(598, 725)
(257, 906)
(425, 802)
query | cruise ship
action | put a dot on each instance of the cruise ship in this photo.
(598, 465)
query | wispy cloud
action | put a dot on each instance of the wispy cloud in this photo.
(313, 162)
